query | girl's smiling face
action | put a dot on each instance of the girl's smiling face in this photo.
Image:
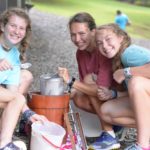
(14, 31)
(108, 42)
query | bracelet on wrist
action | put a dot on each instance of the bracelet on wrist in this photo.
(70, 84)
(114, 94)
(127, 73)
(27, 114)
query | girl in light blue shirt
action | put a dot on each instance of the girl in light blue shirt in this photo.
(12, 75)
(14, 30)
(128, 109)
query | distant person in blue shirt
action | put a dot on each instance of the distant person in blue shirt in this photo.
(122, 20)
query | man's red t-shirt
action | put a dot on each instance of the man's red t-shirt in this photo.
(95, 62)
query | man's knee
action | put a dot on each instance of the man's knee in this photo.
(79, 103)
(82, 101)
(105, 113)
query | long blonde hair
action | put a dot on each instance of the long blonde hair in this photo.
(116, 63)
(4, 18)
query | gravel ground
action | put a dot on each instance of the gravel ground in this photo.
(51, 47)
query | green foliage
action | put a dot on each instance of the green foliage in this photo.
(103, 11)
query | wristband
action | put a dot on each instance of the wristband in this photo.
(27, 114)
(70, 84)
(127, 73)
(114, 94)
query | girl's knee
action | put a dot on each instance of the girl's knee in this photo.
(26, 76)
(29, 76)
(135, 84)
(20, 99)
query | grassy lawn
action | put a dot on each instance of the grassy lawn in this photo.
(103, 11)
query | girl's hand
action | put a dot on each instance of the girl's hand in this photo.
(5, 65)
(118, 76)
(37, 117)
(63, 72)
(104, 93)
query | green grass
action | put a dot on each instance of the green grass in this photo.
(103, 11)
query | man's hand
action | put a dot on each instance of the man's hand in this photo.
(63, 72)
(119, 76)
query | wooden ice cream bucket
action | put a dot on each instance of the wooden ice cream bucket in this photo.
(53, 107)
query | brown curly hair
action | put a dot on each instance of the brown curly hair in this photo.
(116, 63)
(4, 18)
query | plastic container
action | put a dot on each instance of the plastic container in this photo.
(47, 136)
